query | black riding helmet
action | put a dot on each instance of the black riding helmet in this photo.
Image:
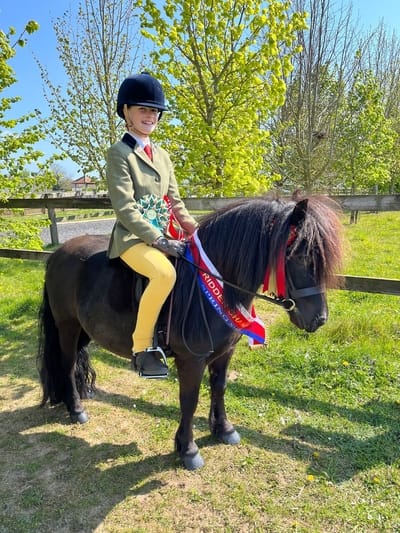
(141, 89)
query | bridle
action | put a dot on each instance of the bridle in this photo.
(287, 303)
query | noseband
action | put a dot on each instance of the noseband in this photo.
(306, 291)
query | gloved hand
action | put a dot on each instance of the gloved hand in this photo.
(169, 247)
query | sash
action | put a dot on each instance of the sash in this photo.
(173, 227)
(240, 319)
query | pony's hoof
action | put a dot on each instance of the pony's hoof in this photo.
(79, 418)
(193, 461)
(231, 438)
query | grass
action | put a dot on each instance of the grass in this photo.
(319, 416)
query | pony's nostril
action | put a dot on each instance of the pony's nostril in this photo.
(319, 321)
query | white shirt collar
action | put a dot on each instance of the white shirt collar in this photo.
(138, 140)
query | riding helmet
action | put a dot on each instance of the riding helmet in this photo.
(141, 89)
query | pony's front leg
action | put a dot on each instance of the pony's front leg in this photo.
(190, 372)
(219, 424)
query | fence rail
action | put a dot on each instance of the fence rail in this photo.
(349, 283)
(362, 202)
(347, 203)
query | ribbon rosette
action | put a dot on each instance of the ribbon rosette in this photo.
(154, 210)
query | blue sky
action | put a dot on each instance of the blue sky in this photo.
(42, 44)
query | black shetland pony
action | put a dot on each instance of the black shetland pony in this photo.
(88, 297)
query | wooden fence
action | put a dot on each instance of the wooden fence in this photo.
(366, 203)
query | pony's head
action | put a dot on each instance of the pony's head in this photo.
(311, 255)
(291, 247)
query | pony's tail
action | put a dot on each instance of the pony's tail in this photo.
(49, 360)
(49, 355)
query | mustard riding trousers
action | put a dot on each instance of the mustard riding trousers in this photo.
(154, 265)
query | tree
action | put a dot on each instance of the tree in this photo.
(381, 56)
(98, 47)
(223, 67)
(366, 138)
(62, 180)
(305, 128)
(17, 148)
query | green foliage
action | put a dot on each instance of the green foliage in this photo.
(20, 232)
(17, 147)
(303, 130)
(339, 126)
(98, 46)
(223, 67)
(367, 137)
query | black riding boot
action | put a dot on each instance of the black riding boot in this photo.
(151, 363)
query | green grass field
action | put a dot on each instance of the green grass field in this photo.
(319, 416)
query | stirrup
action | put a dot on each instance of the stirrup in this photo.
(153, 373)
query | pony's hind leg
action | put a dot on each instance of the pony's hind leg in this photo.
(218, 421)
(70, 334)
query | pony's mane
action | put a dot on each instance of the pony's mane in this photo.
(240, 241)
(245, 237)
(322, 233)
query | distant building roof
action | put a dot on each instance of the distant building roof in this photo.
(84, 180)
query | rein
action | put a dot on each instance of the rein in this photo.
(287, 303)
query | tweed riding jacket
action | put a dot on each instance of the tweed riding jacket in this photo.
(131, 175)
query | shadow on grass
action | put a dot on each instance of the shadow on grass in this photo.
(63, 481)
(341, 454)
(344, 454)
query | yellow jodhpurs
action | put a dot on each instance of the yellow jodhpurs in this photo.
(153, 264)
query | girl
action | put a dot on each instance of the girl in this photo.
(140, 178)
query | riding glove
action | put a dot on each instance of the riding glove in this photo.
(169, 247)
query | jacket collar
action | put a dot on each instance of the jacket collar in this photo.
(131, 142)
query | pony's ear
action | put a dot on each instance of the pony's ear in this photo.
(299, 212)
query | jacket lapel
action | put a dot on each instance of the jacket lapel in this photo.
(130, 141)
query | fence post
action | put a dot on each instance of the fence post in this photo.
(51, 212)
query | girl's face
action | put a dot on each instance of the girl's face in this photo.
(141, 121)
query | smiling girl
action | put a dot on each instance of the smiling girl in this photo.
(144, 193)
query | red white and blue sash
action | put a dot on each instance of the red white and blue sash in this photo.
(240, 319)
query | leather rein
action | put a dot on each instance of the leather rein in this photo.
(287, 303)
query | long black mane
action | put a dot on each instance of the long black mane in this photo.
(246, 237)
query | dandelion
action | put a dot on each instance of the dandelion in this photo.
(345, 363)
(310, 478)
